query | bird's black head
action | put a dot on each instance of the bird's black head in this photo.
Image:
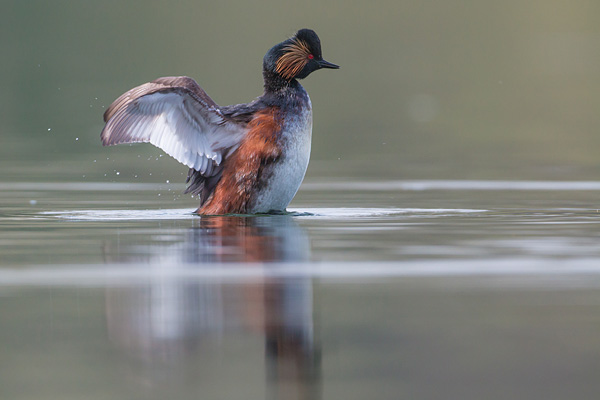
(296, 57)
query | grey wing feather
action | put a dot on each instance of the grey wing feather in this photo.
(175, 114)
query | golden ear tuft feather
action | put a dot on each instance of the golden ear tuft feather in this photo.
(294, 58)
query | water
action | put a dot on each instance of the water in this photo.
(493, 295)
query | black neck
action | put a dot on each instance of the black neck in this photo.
(275, 84)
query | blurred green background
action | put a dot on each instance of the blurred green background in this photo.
(427, 90)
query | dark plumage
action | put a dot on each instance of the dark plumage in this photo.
(244, 158)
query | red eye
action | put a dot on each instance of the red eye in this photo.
(310, 56)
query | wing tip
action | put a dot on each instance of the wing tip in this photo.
(104, 137)
(107, 114)
(107, 142)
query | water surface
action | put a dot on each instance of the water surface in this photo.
(443, 290)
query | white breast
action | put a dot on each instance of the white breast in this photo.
(284, 179)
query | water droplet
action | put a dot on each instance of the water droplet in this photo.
(118, 173)
(76, 138)
(49, 129)
(33, 202)
(167, 181)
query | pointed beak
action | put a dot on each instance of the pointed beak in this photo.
(327, 64)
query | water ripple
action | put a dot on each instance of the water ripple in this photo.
(303, 213)
(134, 274)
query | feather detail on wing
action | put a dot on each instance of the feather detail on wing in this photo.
(176, 115)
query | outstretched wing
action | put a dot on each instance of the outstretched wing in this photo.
(175, 114)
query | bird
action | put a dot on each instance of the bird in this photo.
(243, 159)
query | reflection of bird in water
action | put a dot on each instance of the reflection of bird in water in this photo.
(248, 239)
(172, 324)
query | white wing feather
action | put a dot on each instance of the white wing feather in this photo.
(181, 120)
